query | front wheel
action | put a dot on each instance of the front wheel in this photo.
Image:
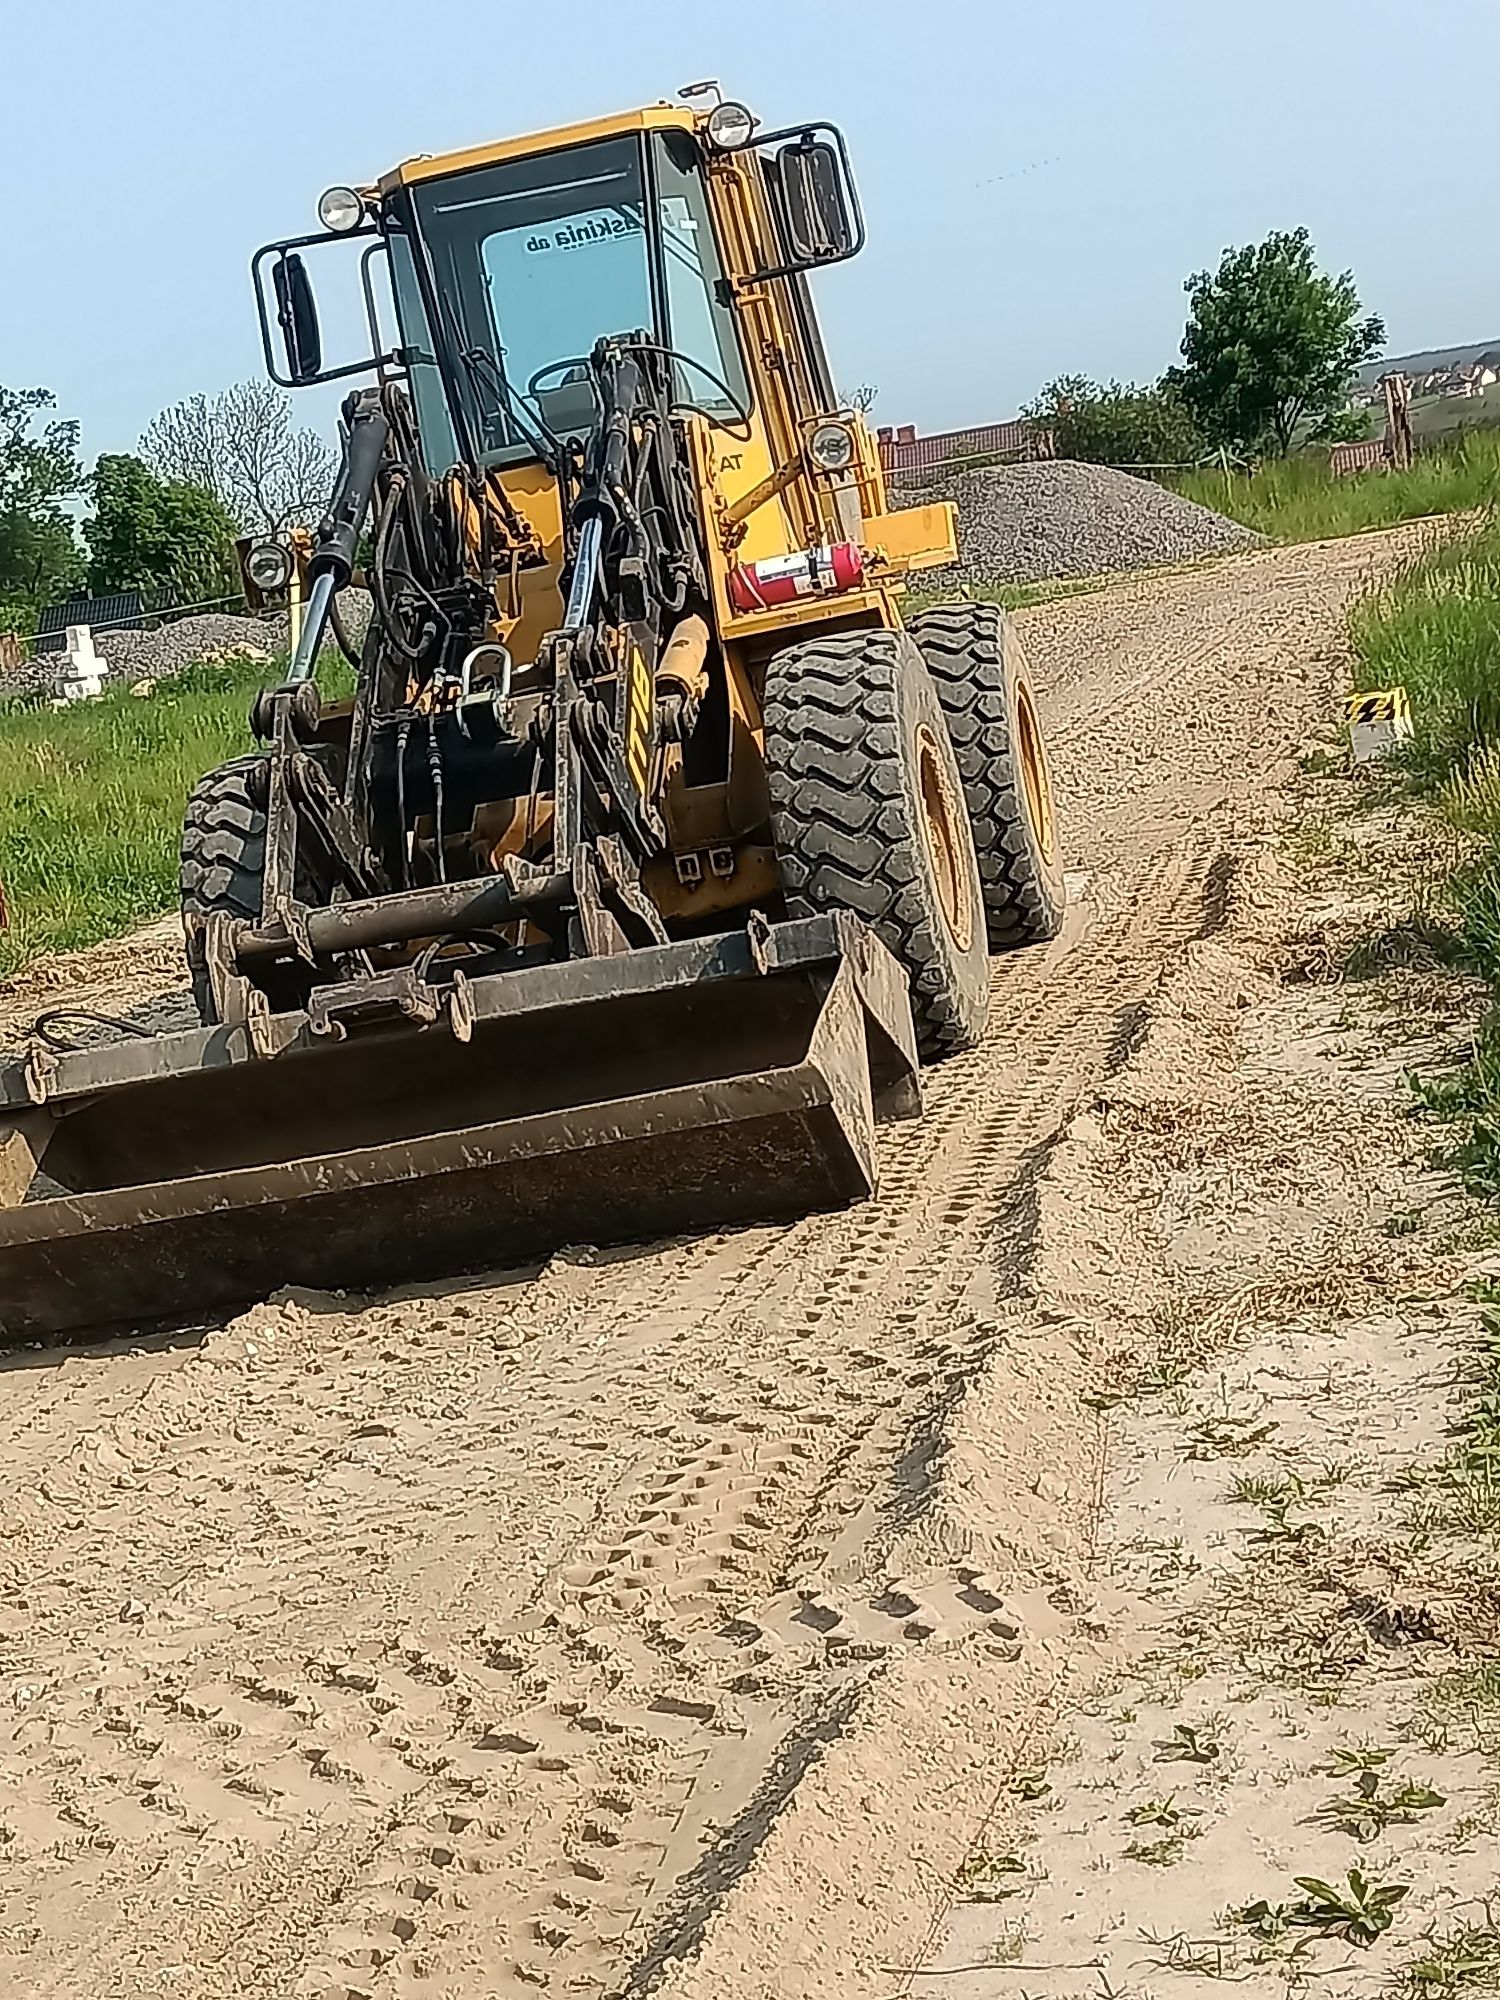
(974, 655)
(868, 815)
(223, 865)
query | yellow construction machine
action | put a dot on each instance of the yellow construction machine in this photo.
(653, 849)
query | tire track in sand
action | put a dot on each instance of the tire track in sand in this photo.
(469, 1644)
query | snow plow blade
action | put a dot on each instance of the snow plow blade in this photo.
(608, 1100)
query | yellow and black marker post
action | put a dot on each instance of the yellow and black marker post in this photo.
(1379, 719)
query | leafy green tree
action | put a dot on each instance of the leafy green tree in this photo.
(39, 469)
(1271, 345)
(1118, 423)
(156, 534)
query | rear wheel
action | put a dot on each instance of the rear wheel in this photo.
(975, 658)
(868, 814)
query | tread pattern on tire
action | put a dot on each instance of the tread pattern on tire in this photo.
(223, 843)
(843, 811)
(223, 859)
(964, 647)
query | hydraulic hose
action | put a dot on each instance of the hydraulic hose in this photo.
(338, 534)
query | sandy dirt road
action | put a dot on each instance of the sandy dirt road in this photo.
(658, 1621)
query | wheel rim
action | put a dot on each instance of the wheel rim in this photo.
(1036, 775)
(942, 828)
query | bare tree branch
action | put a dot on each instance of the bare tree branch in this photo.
(242, 446)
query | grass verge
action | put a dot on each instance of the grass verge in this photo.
(1434, 629)
(91, 802)
(1299, 500)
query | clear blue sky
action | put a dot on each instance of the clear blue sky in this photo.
(1038, 178)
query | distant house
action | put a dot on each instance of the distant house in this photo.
(1466, 378)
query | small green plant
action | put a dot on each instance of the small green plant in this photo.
(1163, 1853)
(1465, 1959)
(1030, 1785)
(1187, 1745)
(1211, 1958)
(1278, 1527)
(1360, 1910)
(1462, 1706)
(1369, 1810)
(992, 1878)
(1335, 1472)
(1260, 1489)
(1345, 1763)
(1007, 1948)
(1226, 1437)
(1158, 1812)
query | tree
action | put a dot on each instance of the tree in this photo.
(863, 398)
(1271, 345)
(1117, 423)
(241, 445)
(39, 469)
(154, 534)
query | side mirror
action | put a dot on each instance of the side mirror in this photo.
(295, 358)
(297, 311)
(817, 212)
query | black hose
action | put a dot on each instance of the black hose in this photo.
(341, 634)
(378, 588)
(45, 1027)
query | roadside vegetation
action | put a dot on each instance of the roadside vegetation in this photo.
(91, 802)
(1435, 630)
(1299, 500)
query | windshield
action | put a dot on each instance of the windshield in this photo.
(536, 260)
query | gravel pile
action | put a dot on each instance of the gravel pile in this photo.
(1030, 523)
(187, 642)
(212, 635)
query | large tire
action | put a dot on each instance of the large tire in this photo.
(975, 658)
(223, 868)
(868, 815)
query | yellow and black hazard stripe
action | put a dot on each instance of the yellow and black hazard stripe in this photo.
(638, 721)
(1379, 705)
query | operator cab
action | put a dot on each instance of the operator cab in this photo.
(508, 264)
(536, 259)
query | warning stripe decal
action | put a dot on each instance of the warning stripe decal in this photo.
(637, 757)
(1383, 705)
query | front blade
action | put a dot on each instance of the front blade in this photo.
(610, 1101)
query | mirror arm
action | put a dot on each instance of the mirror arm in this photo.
(759, 142)
(268, 345)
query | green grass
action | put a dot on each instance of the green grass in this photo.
(1442, 416)
(91, 802)
(1299, 500)
(1465, 1958)
(1434, 629)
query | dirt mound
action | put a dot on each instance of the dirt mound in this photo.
(1030, 523)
